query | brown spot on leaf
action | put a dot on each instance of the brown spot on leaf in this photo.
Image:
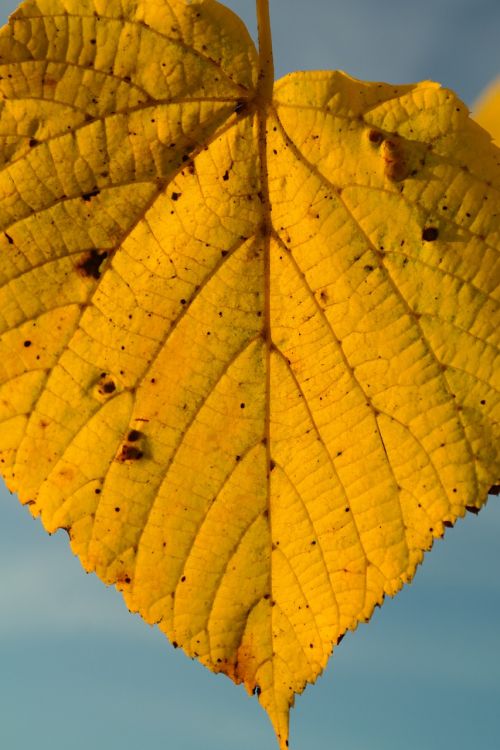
(430, 234)
(129, 453)
(375, 136)
(396, 166)
(241, 106)
(105, 386)
(134, 435)
(92, 194)
(90, 266)
(123, 578)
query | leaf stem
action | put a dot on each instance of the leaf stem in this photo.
(266, 73)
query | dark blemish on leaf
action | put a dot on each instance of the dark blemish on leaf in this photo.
(237, 458)
(134, 436)
(482, 402)
(129, 453)
(241, 106)
(175, 644)
(97, 491)
(109, 387)
(375, 136)
(92, 194)
(396, 167)
(176, 196)
(117, 510)
(91, 265)
(27, 343)
(8, 238)
(448, 524)
(242, 406)
(430, 234)
(272, 465)
(33, 142)
(472, 509)
(183, 579)
(225, 176)
(368, 268)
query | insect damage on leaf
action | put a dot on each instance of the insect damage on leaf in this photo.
(91, 264)
(287, 286)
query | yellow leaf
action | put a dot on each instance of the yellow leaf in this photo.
(487, 110)
(249, 333)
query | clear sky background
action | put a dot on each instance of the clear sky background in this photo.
(78, 671)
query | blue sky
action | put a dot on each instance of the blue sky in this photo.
(77, 671)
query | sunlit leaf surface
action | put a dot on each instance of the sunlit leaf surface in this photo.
(248, 344)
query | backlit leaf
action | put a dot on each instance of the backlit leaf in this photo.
(487, 110)
(248, 338)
